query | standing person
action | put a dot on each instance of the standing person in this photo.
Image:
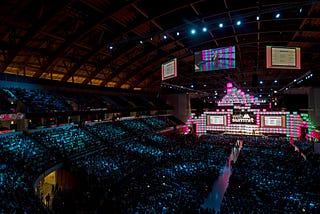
(214, 57)
(47, 199)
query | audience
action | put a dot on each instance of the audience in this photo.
(127, 167)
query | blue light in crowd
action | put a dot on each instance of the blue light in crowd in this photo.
(204, 29)
(300, 10)
(278, 15)
(239, 23)
(221, 25)
(193, 31)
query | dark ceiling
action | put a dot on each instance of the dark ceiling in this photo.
(69, 41)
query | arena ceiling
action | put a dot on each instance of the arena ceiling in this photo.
(71, 40)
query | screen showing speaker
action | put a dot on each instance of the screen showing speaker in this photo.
(215, 59)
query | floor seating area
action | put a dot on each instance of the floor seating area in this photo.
(126, 167)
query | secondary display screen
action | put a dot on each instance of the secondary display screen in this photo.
(273, 121)
(169, 69)
(283, 57)
(215, 120)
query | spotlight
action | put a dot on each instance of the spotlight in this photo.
(204, 29)
(165, 36)
(258, 18)
(178, 33)
(110, 47)
(278, 15)
(221, 25)
(193, 31)
(238, 23)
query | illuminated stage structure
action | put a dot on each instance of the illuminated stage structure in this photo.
(244, 114)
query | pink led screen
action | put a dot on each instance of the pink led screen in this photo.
(215, 59)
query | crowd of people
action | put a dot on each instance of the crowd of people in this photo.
(126, 167)
(22, 159)
(270, 176)
(35, 100)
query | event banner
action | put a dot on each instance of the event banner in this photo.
(243, 118)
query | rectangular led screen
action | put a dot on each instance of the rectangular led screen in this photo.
(283, 57)
(169, 69)
(216, 120)
(215, 59)
(274, 121)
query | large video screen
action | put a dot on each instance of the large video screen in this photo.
(274, 121)
(283, 57)
(169, 69)
(215, 59)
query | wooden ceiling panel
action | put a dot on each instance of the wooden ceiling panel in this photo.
(70, 40)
